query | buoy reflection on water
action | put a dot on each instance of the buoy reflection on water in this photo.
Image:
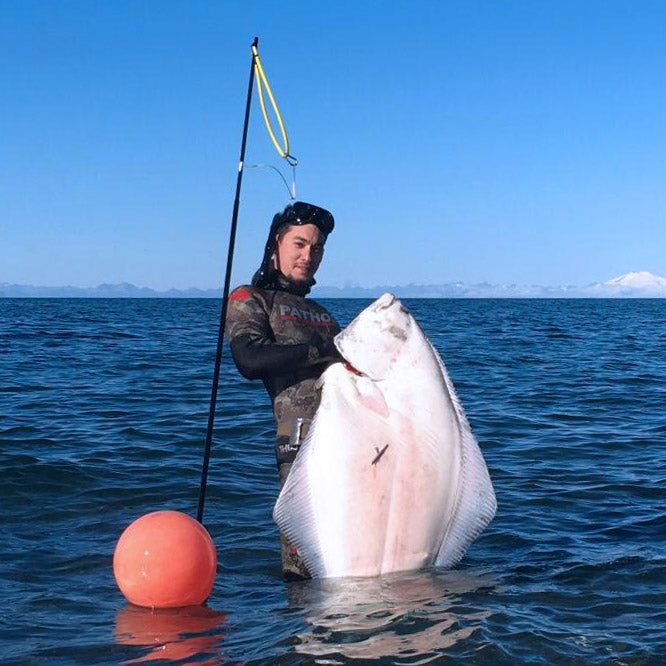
(175, 634)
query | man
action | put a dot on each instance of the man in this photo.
(279, 336)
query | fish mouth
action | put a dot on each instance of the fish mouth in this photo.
(353, 370)
(347, 364)
(350, 367)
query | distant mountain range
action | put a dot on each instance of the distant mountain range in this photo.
(640, 284)
(122, 290)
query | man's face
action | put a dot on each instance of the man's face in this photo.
(300, 251)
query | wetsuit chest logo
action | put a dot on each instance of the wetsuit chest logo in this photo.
(311, 317)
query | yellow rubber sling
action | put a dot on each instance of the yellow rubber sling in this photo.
(262, 82)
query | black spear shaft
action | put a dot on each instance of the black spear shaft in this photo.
(225, 298)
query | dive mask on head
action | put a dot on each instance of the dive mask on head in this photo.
(304, 213)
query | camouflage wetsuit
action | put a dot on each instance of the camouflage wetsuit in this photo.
(284, 339)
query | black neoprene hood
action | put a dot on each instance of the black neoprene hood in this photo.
(297, 213)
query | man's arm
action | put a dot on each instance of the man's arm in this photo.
(257, 356)
(253, 348)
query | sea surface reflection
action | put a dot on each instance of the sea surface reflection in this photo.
(191, 635)
(401, 615)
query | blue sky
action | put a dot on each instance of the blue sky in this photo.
(499, 141)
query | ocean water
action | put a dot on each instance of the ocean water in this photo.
(103, 409)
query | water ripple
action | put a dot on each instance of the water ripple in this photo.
(103, 408)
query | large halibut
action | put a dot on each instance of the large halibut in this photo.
(390, 476)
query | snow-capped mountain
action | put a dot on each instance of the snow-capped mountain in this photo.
(634, 284)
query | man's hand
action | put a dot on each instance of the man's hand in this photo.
(328, 352)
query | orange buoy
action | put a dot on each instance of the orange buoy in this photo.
(165, 559)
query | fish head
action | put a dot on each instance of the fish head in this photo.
(376, 338)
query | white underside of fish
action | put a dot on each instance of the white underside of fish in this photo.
(390, 476)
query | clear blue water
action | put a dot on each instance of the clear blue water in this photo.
(103, 409)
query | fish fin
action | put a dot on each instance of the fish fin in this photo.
(476, 503)
(457, 405)
(294, 510)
